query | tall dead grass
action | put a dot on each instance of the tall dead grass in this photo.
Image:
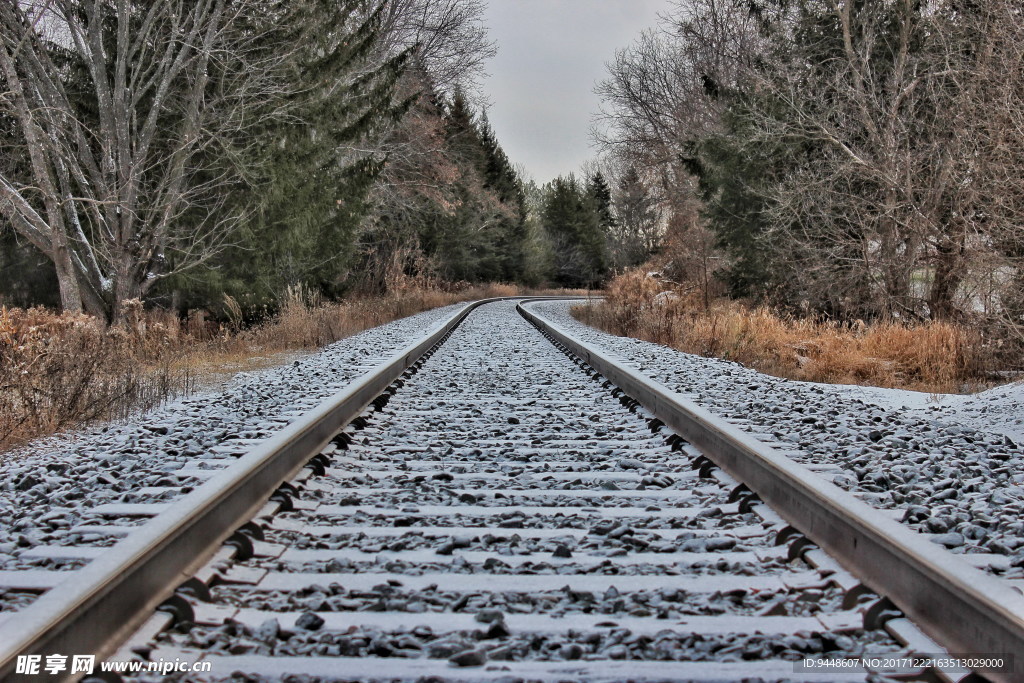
(934, 357)
(306, 321)
(61, 370)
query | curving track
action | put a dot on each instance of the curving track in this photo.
(499, 513)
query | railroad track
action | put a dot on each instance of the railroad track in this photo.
(496, 505)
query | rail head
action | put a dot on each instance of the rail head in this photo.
(960, 607)
(102, 604)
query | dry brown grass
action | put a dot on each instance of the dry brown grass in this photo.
(306, 321)
(934, 357)
(61, 370)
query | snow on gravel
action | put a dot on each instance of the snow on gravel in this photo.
(47, 489)
(481, 452)
(948, 466)
(998, 410)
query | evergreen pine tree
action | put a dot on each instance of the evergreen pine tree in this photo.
(307, 193)
(573, 224)
(601, 195)
(636, 229)
(512, 232)
(732, 175)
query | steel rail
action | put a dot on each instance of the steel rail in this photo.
(102, 604)
(960, 607)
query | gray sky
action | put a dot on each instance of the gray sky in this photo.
(550, 54)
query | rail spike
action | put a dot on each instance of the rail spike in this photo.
(242, 543)
(880, 611)
(787, 534)
(179, 608)
(799, 546)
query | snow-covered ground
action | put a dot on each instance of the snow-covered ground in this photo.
(952, 463)
(48, 488)
(997, 410)
(947, 465)
(524, 492)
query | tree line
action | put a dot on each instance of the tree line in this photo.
(201, 153)
(851, 159)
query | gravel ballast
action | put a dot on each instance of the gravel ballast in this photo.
(504, 507)
(962, 484)
(48, 489)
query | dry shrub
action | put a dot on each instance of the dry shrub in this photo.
(938, 352)
(302, 321)
(61, 370)
(937, 356)
(305, 321)
(634, 287)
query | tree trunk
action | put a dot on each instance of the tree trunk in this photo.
(67, 280)
(126, 288)
(948, 276)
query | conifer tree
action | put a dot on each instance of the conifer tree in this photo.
(601, 195)
(635, 232)
(482, 237)
(308, 191)
(733, 175)
(573, 224)
(502, 179)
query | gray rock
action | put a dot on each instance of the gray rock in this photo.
(489, 616)
(469, 658)
(309, 621)
(267, 631)
(950, 540)
(562, 551)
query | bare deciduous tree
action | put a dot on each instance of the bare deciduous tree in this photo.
(663, 96)
(880, 143)
(638, 228)
(888, 210)
(663, 92)
(114, 100)
(451, 40)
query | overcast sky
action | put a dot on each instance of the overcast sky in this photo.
(550, 54)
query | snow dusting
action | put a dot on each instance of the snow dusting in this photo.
(947, 466)
(48, 490)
